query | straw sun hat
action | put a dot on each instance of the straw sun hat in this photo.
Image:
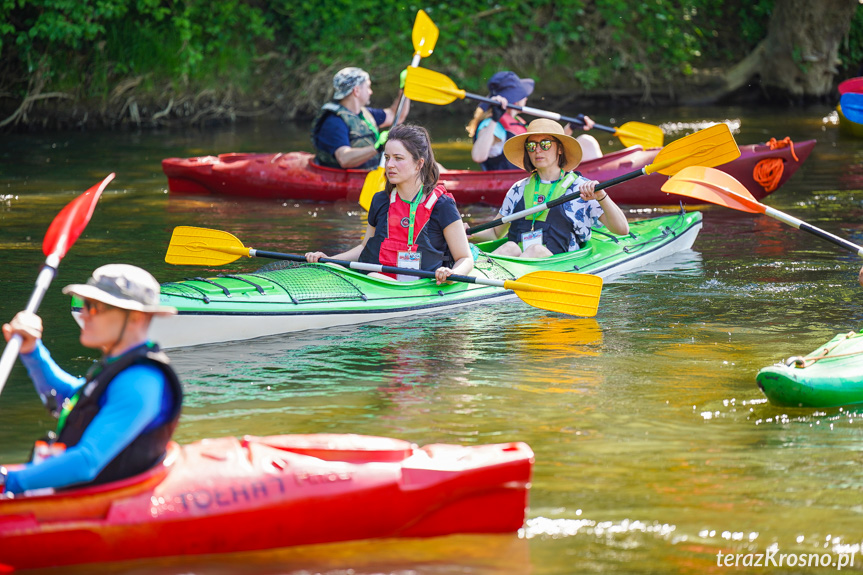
(513, 149)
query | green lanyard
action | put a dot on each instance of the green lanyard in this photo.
(414, 205)
(371, 125)
(548, 197)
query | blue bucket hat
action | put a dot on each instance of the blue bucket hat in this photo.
(510, 86)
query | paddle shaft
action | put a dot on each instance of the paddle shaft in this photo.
(377, 268)
(561, 200)
(801, 225)
(414, 63)
(43, 280)
(540, 113)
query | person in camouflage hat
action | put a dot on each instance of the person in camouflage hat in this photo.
(346, 132)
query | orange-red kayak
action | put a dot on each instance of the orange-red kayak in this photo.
(228, 495)
(294, 176)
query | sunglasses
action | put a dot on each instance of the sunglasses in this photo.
(544, 144)
(93, 307)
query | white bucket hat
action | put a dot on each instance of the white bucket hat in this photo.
(123, 286)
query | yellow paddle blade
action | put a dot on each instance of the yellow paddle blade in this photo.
(640, 134)
(424, 35)
(424, 85)
(193, 246)
(710, 147)
(715, 187)
(375, 182)
(563, 292)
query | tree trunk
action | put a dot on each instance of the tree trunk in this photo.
(801, 51)
(799, 56)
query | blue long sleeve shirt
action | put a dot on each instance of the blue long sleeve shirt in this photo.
(136, 401)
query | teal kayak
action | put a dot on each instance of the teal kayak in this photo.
(285, 297)
(830, 376)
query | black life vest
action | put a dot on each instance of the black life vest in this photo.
(149, 447)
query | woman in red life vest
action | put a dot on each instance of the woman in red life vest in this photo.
(414, 223)
(491, 125)
(548, 155)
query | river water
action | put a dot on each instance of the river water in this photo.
(655, 450)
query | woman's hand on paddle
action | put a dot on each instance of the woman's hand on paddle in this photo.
(497, 111)
(588, 125)
(441, 274)
(860, 277)
(26, 324)
(588, 190)
(313, 257)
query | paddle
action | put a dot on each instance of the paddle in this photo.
(852, 85)
(717, 187)
(851, 104)
(712, 146)
(61, 234)
(564, 292)
(424, 38)
(424, 85)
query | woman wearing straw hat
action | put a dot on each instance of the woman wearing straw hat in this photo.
(117, 421)
(548, 154)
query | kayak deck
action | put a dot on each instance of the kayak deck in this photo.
(294, 176)
(286, 297)
(227, 495)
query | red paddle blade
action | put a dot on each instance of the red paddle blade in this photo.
(713, 186)
(852, 86)
(72, 220)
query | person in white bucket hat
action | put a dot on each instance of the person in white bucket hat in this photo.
(116, 421)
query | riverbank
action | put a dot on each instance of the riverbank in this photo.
(136, 103)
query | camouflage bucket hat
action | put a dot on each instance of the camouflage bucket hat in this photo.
(346, 80)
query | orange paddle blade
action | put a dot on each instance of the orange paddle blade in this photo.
(713, 186)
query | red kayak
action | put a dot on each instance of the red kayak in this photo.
(762, 168)
(228, 495)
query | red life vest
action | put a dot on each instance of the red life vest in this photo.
(398, 219)
(513, 125)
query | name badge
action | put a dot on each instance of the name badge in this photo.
(408, 261)
(531, 238)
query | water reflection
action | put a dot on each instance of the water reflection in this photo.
(654, 447)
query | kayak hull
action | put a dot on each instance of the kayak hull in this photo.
(313, 296)
(228, 495)
(294, 176)
(830, 376)
(846, 126)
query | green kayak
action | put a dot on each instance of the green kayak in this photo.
(285, 297)
(830, 376)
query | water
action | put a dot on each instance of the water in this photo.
(654, 448)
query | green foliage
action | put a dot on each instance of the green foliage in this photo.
(186, 40)
(594, 44)
(851, 53)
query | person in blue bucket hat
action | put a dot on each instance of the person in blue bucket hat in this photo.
(491, 126)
